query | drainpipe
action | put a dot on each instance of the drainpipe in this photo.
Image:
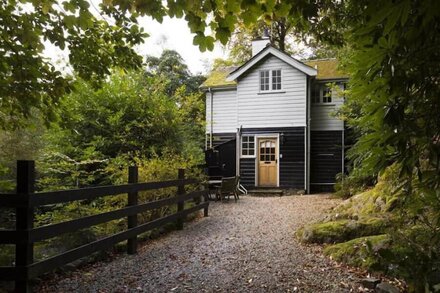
(212, 118)
(237, 151)
(308, 122)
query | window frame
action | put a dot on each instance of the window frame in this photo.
(247, 142)
(271, 82)
(319, 98)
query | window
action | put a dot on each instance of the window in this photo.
(247, 146)
(321, 94)
(270, 80)
(326, 95)
(267, 150)
(276, 80)
(264, 80)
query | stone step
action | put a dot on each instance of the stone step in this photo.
(266, 192)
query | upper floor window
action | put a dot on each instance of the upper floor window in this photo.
(276, 80)
(247, 146)
(264, 80)
(321, 94)
(326, 95)
(270, 80)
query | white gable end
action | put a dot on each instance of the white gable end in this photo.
(283, 108)
(278, 54)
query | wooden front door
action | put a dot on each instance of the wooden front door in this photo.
(267, 162)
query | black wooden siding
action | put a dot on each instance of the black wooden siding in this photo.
(247, 172)
(220, 138)
(325, 159)
(291, 163)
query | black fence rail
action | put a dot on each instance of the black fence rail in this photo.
(25, 235)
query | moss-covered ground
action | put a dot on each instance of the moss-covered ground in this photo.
(385, 231)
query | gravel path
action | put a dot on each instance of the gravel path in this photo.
(248, 246)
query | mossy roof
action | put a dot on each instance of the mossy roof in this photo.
(217, 78)
(327, 69)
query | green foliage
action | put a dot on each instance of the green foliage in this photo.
(354, 183)
(18, 144)
(172, 69)
(29, 80)
(129, 116)
(393, 99)
(410, 222)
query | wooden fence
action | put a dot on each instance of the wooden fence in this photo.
(25, 235)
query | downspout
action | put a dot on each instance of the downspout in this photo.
(237, 151)
(308, 135)
(343, 147)
(211, 116)
(343, 153)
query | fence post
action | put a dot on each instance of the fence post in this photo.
(132, 200)
(24, 251)
(205, 210)
(180, 204)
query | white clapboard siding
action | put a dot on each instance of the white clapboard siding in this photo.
(322, 115)
(284, 109)
(224, 111)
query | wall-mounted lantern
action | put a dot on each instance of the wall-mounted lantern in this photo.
(282, 138)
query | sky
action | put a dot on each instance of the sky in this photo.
(172, 33)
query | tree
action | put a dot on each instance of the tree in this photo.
(29, 80)
(101, 40)
(172, 68)
(130, 116)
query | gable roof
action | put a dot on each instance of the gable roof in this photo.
(327, 69)
(310, 71)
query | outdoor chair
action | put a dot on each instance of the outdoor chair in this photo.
(228, 187)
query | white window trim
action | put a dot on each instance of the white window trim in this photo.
(241, 147)
(270, 90)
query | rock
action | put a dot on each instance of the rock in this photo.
(370, 283)
(301, 192)
(386, 288)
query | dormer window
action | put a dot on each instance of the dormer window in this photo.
(270, 80)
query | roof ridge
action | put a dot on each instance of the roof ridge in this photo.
(320, 59)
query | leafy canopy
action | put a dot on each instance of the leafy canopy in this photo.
(98, 38)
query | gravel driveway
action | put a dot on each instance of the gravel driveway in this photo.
(248, 246)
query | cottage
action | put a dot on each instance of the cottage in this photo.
(272, 120)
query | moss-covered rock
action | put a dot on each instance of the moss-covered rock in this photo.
(327, 232)
(362, 252)
(343, 230)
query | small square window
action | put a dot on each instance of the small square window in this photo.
(247, 146)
